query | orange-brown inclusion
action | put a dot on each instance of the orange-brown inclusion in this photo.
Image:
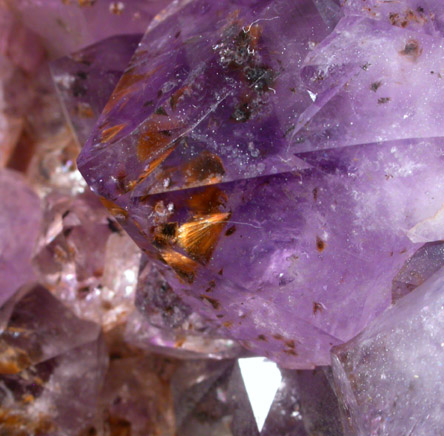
(207, 201)
(113, 208)
(153, 165)
(152, 141)
(182, 265)
(412, 50)
(124, 87)
(17, 424)
(84, 110)
(119, 426)
(83, 3)
(176, 96)
(109, 133)
(199, 237)
(206, 167)
(12, 360)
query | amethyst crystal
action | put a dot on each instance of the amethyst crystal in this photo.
(280, 165)
(389, 378)
(86, 260)
(212, 144)
(50, 379)
(21, 56)
(304, 405)
(136, 399)
(210, 398)
(423, 264)
(19, 225)
(86, 79)
(164, 323)
(68, 25)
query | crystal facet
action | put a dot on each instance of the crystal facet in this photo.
(19, 223)
(389, 378)
(165, 323)
(86, 79)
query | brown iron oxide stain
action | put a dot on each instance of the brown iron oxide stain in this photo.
(207, 201)
(12, 359)
(205, 167)
(412, 50)
(111, 132)
(17, 423)
(320, 244)
(200, 236)
(113, 208)
(182, 265)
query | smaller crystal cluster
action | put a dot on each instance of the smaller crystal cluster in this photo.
(79, 256)
(252, 243)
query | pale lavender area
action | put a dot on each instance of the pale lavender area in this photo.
(19, 226)
(67, 26)
(390, 378)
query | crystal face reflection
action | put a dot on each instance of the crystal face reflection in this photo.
(262, 379)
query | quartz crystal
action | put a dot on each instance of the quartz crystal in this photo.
(304, 405)
(87, 78)
(259, 194)
(218, 397)
(50, 379)
(424, 263)
(68, 25)
(226, 137)
(389, 378)
(85, 258)
(136, 398)
(210, 398)
(21, 56)
(166, 324)
(47, 149)
(19, 223)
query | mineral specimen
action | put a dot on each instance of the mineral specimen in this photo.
(47, 149)
(423, 264)
(210, 398)
(136, 398)
(279, 163)
(228, 137)
(389, 378)
(21, 55)
(219, 397)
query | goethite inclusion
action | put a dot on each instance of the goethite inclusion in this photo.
(277, 166)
